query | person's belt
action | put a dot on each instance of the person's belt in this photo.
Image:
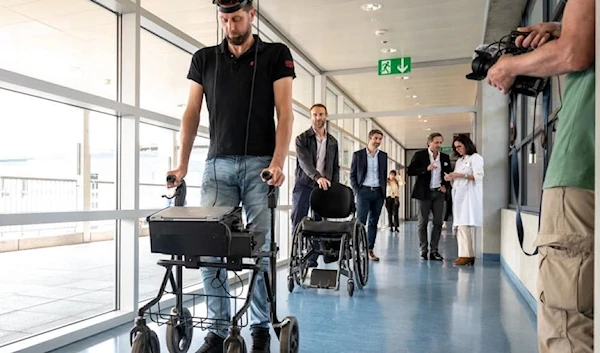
(371, 187)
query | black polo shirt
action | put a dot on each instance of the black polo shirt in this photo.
(228, 97)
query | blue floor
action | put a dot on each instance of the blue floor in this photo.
(408, 306)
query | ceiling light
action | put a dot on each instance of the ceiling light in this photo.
(425, 120)
(405, 77)
(419, 116)
(417, 103)
(428, 129)
(414, 96)
(389, 50)
(371, 7)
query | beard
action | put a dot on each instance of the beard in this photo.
(319, 124)
(239, 39)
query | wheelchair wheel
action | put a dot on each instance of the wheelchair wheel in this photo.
(289, 338)
(298, 270)
(360, 253)
(235, 344)
(145, 341)
(179, 331)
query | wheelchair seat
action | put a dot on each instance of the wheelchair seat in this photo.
(327, 228)
(341, 236)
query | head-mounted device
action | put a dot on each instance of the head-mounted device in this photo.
(230, 6)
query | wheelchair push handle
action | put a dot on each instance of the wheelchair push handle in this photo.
(180, 191)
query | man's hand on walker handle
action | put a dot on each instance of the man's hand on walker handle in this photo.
(273, 176)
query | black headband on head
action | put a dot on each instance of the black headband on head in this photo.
(232, 5)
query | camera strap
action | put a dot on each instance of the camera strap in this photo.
(514, 166)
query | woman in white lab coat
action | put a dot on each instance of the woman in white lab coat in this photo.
(467, 196)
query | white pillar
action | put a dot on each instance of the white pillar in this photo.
(129, 165)
(85, 173)
(491, 135)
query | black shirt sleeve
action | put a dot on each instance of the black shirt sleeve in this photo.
(284, 64)
(196, 66)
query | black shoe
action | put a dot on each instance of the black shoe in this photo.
(424, 256)
(435, 256)
(261, 340)
(213, 343)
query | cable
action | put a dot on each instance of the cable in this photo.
(252, 89)
(215, 107)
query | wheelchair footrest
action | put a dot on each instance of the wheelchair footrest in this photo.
(324, 278)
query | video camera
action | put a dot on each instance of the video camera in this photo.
(488, 55)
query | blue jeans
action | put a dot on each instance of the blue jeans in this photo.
(300, 206)
(225, 184)
(369, 203)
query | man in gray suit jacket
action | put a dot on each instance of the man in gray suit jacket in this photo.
(317, 165)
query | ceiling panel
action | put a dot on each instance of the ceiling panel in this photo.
(433, 87)
(52, 8)
(80, 20)
(425, 30)
(413, 130)
(9, 17)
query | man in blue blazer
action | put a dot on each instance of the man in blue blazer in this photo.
(368, 175)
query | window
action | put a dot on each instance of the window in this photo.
(73, 44)
(537, 105)
(521, 131)
(304, 85)
(533, 172)
(331, 102)
(66, 163)
(47, 288)
(347, 151)
(301, 124)
(363, 130)
(348, 124)
(164, 87)
(537, 12)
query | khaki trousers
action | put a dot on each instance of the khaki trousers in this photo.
(565, 287)
(464, 238)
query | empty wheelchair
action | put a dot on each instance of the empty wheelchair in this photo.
(342, 238)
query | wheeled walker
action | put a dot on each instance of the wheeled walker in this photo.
(187, 233)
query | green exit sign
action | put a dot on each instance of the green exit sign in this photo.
(447, 150)
(395, 66)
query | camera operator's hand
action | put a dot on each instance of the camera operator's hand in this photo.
(323, 183)
(500, 74)
(179, 174)
(539, 34)
(277, 175)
